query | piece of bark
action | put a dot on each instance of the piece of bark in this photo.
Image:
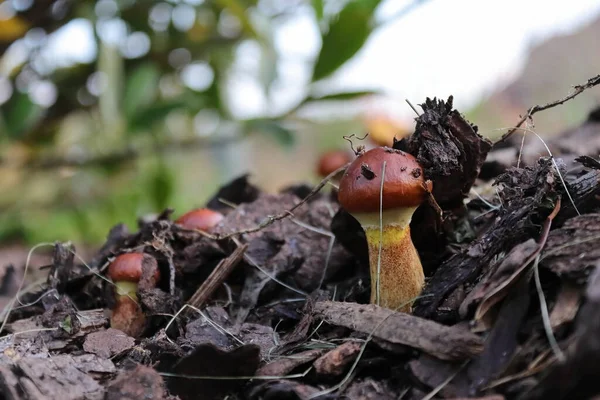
(493, 288)
(574, 250)
(369, 389)
(433, 372)
(501, 343)
(89, 321)
(286, 364)
(33, 328)
(566, 305)
(336, 361)
(449, 149)
(525, 195)
(584, 191)
(578, 376)
(107, 343)
(444, 342)
(62, 266)
(57, 377)
(281, 389)
(140, 383)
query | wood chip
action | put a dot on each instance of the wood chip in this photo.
(107, 343)
(335, 361)
(140, 383)
(444, 342)
(566, 306)
(286, 364)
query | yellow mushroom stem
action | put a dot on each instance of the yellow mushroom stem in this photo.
(126, 288)
(397, 279)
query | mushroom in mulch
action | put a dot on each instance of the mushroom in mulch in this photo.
(126, 272)
(202, 219)
(384, 212)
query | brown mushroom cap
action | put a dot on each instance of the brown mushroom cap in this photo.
(129, 267)
(203, 219)
(404, 186)
(332, 160)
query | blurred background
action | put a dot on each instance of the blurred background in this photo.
(115, 109)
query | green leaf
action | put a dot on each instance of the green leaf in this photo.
(66, 324)
(340, 96)
(319, 8)
(345, 37)
(141, 88)
(275, 129)
(144, 119)
(20, 115)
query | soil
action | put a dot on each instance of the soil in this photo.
(273, 302)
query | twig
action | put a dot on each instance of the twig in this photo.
(349, 138)
(545, 317)
(380, 236)
(216, 278)
(413, 107)
(537, 108)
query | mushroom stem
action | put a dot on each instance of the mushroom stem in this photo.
(396, 272)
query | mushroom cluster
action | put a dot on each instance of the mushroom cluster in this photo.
(382, 188)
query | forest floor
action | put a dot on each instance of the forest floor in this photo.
(273, 303)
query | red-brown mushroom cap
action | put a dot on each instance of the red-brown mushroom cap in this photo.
(203, 219)
(332, 160)
(404, 186)
(129, 267)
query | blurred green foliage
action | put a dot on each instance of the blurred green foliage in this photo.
(94, 141)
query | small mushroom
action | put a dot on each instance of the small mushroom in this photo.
(202, 219)
(400, 277)
(332, 160)
(127, 271)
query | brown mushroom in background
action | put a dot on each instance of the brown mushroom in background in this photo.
(332, 160)
(126, 271)
(400, 277)
(202, 219)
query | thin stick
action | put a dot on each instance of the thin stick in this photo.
(380, 233)
(545, 317)
(216, 278)
(413, 107)
(537, 108)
